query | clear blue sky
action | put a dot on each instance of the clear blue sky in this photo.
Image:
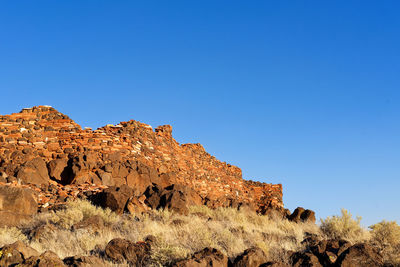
(303, 93)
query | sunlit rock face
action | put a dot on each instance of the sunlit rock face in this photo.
(40, 145)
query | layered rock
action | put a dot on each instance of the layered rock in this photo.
(40, 145)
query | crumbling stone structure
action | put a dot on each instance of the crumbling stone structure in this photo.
(40, 145)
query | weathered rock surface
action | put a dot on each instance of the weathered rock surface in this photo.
(177, 198)
(302, 215)
(252, 257)
(16, 253)
(205, 258)
(360, 255)
(46, 259)
(83, 261)
(114, 198)
(16, 205)
(119, 250)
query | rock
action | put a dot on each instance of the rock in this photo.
(302, 215)
(59, 171)
(152, 194)
(136, 206)
(360, 255)
(274, 264)
(46, 259)
(82, 169)
(252, 257)
(83, 261)
(305, 259)
(41, 232)
(34, 172)
(114, 198)
(208, 257)
(16, 253)
(174, 197)
(16, 205)
(119, 250)
(106, 178)
(94, 222)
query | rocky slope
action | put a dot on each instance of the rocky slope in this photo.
(42, 147)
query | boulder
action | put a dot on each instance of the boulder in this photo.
(58, 170)
(16, 253)
(46, 259)
(274, 264)
(94, 223)
(16, 204)
(177, 198)
(83, 169)
(114, 198)
(106, 178)
(252, 257)
(34, 172)
(307, 259)
(302, 215)
(360, 255)
(136, 205)
(327, 251)
(83, 261)
(119, 250)
(208, 257)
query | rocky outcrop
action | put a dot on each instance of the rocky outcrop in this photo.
(40, 145)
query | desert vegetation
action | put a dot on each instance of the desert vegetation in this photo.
(81, 228)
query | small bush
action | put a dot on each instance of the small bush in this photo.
(386, 236)
(344, 227)
(386, 233)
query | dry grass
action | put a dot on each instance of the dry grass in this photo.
(178, 236)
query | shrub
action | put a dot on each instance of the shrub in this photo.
(386, 233)
(386, 236)
(344, 227)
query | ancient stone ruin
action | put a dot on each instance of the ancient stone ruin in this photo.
(41, 147)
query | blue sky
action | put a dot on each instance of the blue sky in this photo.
(303, 93)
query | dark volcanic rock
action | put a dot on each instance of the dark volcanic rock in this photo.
(119, 250)
(305, 259)
(16, 253)
(47, 258)
(360, 255)
(252, 257)
(83, 261)
(208, 257)
(114, 198)
(302, 215)
(174, 197)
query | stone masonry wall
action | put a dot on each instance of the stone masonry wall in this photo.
(127, 153)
